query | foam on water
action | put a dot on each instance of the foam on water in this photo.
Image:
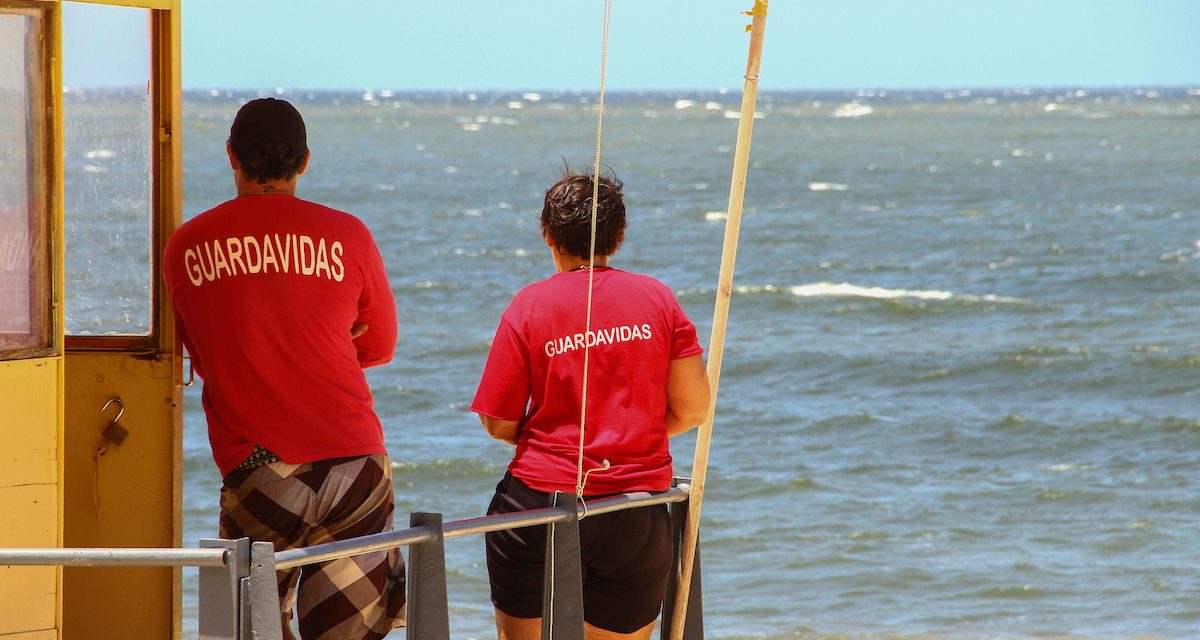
(844, 290)
(853, 110)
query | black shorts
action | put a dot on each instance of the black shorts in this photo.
(626, 558)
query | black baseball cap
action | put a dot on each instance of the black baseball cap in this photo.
(267, 120)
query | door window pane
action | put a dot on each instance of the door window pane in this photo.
(107, 166)
(25, 295)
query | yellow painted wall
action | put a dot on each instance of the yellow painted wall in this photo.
(139, 495)
(29, 492)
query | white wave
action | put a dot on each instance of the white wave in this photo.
(716, 216)
(1063, 468)
(832, 290)
(532, 97)
(853, 110)
(91, 168)
(100, 153)
(685, 104)
(515, 104)
(827, 186)
(716, 106)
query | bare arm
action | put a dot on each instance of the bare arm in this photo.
(687, 394)
(374, 331)
(503, 430)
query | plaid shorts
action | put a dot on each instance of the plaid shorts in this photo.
(299, 505)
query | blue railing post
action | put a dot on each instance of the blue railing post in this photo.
(428, 607)
(220, 590)
(562, 584)
(260, 595)
(693, 623)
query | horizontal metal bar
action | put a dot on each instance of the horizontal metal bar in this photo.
(502, 521)
(85, 557)
(292, 558)
(637, 499)
(534, 517)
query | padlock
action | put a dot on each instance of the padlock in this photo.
(114, 432)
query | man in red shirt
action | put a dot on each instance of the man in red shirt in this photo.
(282, 303)
(646, 381)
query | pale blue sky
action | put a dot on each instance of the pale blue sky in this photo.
(657, 44)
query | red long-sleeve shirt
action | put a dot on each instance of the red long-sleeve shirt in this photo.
(266, 289)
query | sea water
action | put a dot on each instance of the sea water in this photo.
(961, 387)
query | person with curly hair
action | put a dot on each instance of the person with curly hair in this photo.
(646, 382)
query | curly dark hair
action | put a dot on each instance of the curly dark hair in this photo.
(265, 160)
(567, 215)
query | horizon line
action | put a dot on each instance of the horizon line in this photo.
(623, 90)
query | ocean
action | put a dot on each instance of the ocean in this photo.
(961, 388)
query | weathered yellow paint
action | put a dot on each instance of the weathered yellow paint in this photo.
(29, 490)
(168, 37)
(50, 634)
(29, 396)
(137, 489)
(31, 593)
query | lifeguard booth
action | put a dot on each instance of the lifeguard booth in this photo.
(90, 189)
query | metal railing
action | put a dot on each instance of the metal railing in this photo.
(239, 597)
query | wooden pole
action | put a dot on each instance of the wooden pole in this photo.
(716, 346)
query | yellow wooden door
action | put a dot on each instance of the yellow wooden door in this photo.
(31, 363)
(122, 197)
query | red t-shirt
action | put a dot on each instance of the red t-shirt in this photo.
(534, 373)
(266, 289)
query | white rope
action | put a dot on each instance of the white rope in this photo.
(550, 613)
(579, 476)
